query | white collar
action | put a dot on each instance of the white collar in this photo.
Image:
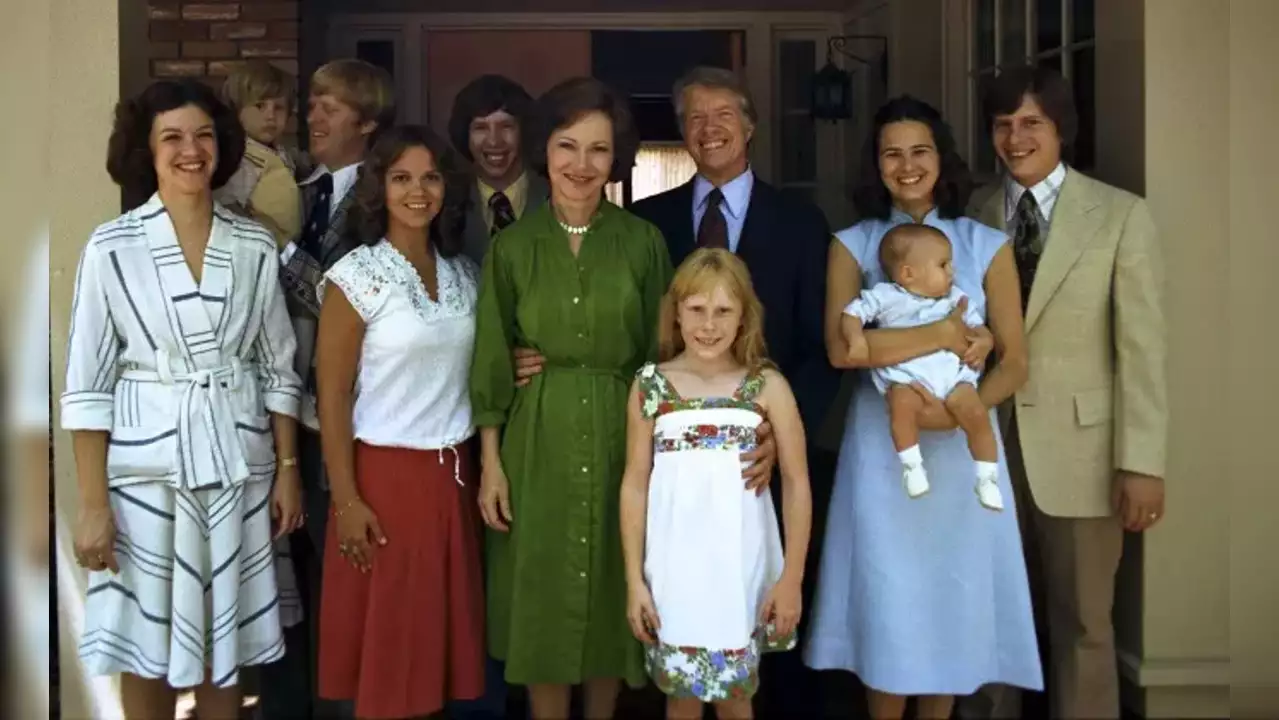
(1045, 193)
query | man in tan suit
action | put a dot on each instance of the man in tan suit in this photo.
(1085, 437)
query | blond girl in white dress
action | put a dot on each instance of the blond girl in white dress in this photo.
(709, 585)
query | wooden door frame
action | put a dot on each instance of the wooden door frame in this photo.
(409, 31)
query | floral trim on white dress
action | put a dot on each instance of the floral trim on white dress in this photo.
(708, 674)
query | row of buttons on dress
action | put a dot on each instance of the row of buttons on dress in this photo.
(582, 336)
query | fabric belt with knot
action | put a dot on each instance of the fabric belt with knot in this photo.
(209, 451)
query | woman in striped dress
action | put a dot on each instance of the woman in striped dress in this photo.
(181, 399)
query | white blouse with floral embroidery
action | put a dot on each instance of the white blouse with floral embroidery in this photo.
(411, 386)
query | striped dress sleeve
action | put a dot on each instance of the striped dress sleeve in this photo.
(93, 349)
(274, 348)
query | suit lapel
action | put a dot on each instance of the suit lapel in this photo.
(1074, 223)
(682, 241)
(759, 218)
(332, 239)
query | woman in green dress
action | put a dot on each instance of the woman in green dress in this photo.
(579, 280)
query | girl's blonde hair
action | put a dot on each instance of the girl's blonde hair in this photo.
(700, 274)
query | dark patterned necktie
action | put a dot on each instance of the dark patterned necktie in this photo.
(317, 223)
(713, 232)
(1027, 245)
(503, 212)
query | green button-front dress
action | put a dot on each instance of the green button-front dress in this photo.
(557, 583)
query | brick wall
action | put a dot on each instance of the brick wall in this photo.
(206, 39)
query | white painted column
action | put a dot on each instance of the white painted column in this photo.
(83, 86)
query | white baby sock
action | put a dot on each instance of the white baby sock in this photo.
(988, 485)
(913, 475)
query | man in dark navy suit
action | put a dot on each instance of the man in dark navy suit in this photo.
(783, 240)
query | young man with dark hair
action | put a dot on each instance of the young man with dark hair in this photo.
(1086, 435)
(487, 126)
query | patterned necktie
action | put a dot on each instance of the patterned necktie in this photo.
(317, 223)
(1027, 245)
(713, 232)
(503, 212)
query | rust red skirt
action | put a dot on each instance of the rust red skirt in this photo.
(408, 636)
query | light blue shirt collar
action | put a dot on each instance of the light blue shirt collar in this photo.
(737, 194)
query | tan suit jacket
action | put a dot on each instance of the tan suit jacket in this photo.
(1096, 400)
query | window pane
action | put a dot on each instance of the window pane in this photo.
(1084, 81)
(377, 52)
(1053, 62)
(796, 62)
(1012, 16)
(659, 168)
(1047, 25)
(983, 159)
(984, 38)
(1082, 22)
(798, 149)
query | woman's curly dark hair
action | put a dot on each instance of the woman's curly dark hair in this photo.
(368, 220)
(954, 181)
(130, 161)
(565, 104)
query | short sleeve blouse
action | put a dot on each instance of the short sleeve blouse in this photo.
(411, 387)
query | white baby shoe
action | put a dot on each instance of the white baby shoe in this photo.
(988, 493)
(915, 479)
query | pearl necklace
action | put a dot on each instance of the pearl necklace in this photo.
(577, 229)
(574, 229)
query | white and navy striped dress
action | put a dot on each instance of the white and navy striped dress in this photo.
(184, 377)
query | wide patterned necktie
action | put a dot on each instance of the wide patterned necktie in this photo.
(1027, 244)
(317, 222)
(503, 212)
(713, 232)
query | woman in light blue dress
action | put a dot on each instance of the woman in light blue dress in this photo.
(923, 597)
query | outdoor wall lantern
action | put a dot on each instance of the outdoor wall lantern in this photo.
(832, 93)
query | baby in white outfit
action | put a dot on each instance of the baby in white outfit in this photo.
(922, 291)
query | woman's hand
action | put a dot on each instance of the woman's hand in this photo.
(858, 350)
(955, 330)
(642, 614)
(933, 415)
(94, 543)
(495, 497)
(286, 501)
(528, 362)
(358, 534)
(763, 459)
(981, 342)
(782, 607)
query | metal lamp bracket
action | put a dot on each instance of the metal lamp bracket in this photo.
(838, 43)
